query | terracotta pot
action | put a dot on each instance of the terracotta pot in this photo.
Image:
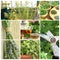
(26, 57)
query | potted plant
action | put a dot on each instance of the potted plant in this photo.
(43, 13)
(29, 49)
(45, 5)
(35, 26)
(54, 3)
(54, 13)
(26, 57)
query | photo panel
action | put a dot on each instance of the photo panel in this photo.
(18, 9)
(29, 29)
(49, 40)
(10, 49)
(30, 49)
(49, 10)
(10, 29)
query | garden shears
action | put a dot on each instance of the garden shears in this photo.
(52, 39)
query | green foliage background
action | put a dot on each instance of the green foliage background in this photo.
(30, 47)
(53, 26)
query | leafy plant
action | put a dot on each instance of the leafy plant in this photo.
(35, 26)
(46, 49)
(45, 45)
(12, 15)
(20, 12)
(54, 3)
(53, 12)
(43, 55)
(45, 5)
(30, 47)
(50, 25)
(27, 36)
(10, 50)
(5, 24)
(43, 12)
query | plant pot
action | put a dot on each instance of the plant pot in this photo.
(26, 57)
(54, 3)
(54, 13)
(43, 13)
(34, 36)
(45, 6)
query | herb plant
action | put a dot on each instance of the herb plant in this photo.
(19, 12)
(10, 50)
(45, 5)
(30, 47)
(53, 12)
(50, 25)
(35, 26)
(46, 49)
(49, 7)
(54, 3)
(43, 12)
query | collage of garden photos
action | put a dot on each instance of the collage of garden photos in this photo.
(29, 29)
